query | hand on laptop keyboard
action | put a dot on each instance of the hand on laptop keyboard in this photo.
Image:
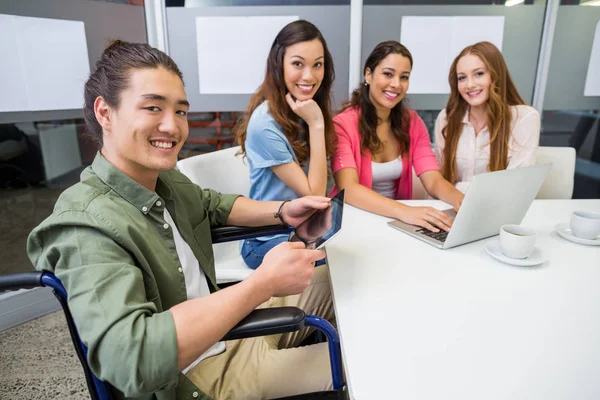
(440, 236)
(426, 217)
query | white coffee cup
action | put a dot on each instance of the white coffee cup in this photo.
(517, 241)
(585, 224)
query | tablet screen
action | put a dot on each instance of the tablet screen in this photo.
(322, 225)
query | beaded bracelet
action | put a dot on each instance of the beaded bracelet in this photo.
(278, 214)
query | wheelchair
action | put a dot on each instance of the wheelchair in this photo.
(260, 322)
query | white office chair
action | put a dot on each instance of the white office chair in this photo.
(224, 172)
(560, 180)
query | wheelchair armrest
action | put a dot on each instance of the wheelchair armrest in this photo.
(268, 321)
(230, 233)
(22, 280)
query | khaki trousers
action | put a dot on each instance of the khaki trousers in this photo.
(273, 366)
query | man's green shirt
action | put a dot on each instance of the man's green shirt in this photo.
(108, 242)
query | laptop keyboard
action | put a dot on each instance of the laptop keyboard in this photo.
(439, 236)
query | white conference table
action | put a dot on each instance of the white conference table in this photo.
(416, 322)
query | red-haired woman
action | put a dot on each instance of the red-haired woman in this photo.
(486, 125)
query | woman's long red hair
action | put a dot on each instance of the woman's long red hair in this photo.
(502, 94)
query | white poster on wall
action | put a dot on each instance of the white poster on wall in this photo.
(592, 80)
(434, 42)
(45, 64)
(13, 92)
(232, 51)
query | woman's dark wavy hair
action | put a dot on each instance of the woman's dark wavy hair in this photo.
(368, 121)
(274, 90)
(111, 77)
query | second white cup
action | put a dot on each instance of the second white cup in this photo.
(585, 224)
(517, 241)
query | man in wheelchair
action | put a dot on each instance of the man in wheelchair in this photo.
(131, 243)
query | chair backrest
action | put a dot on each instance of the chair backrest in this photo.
(560, 180)
(221, 170)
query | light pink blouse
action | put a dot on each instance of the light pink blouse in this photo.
(473, 151)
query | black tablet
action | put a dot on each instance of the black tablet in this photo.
(321, 226)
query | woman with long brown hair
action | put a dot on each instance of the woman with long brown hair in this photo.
(286, 132)
(380, 141)
(486, 125)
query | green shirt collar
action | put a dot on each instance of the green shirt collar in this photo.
(139, 196)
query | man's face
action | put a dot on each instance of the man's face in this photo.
(145, 133)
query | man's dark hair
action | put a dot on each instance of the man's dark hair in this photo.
(111, 77)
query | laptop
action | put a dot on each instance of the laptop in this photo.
(493, 199)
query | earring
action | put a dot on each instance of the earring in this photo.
(366, 83)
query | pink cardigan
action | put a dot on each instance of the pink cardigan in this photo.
(348, 154)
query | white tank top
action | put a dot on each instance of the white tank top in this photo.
(385, 177)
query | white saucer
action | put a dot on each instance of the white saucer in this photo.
(564, 230)
(493, 249)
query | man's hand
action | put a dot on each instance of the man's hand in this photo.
(296, 211)
(287, 268)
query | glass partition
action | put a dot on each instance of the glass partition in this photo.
(572, 98)
(219, 98)
(43, 151)
(521, 39)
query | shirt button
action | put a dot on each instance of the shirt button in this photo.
(144, 209)
(158, 203)
(180, 269)
(195, 394)
(166, 226)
